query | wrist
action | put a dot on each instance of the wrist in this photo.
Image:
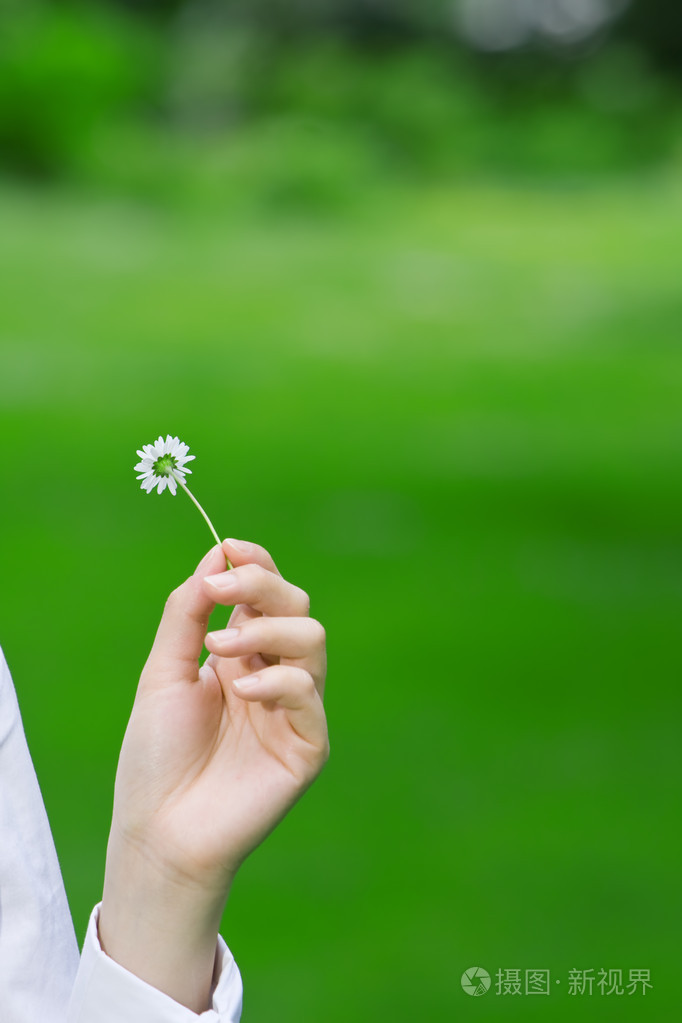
(155, 855)
(160, 924)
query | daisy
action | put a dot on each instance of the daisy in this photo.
(164, 464)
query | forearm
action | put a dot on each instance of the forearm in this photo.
(162, 929)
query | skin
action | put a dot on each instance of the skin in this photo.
(212, 759)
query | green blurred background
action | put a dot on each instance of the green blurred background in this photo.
(406, 278)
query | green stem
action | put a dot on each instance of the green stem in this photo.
(208, 521)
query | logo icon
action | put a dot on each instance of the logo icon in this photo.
(475, 981)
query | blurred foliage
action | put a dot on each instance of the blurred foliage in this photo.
(452, 405)
(654, 26)
(454, 417)
(64, 71)
(212, 96)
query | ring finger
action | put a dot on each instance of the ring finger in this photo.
(296, 641)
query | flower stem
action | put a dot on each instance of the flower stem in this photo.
(208, 521)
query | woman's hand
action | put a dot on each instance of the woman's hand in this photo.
(212, 759)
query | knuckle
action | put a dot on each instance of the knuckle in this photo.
(318, 631)
(259, 555)
(323, 753)
(251, 582)
(174, 599)
(304, 600)
(303, 681)
(247, 576)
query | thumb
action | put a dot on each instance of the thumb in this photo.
(180, 636)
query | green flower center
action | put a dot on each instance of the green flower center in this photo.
(164, 466)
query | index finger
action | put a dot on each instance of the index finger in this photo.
(243, 552)
(259, 589)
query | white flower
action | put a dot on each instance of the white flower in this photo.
(163, 464)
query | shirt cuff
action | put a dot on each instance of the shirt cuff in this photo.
(105, 992)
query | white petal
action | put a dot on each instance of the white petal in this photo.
(172, 486)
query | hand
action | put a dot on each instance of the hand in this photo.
(214, 756)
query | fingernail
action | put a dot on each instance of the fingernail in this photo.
(221, 582)
(247, 682)
(239, 545)
(226, 636)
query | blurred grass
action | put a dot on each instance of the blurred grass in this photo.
(454, 417)
(214, 103)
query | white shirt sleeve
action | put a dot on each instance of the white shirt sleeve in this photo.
(38, 949)
(107, 993)
(40, 974)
